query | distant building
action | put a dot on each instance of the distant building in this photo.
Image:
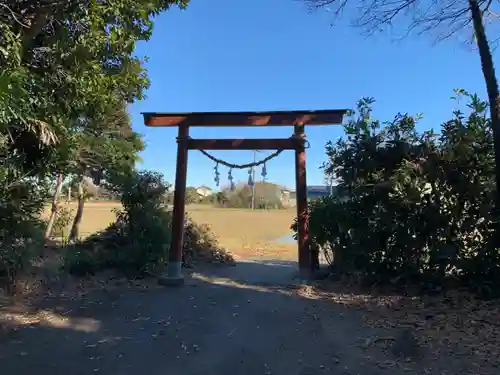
(318, 191)
(287, 197)
(204, 191)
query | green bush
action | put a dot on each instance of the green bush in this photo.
(238, 199)
(192, 195)
(209, 200)
(419, 205)
(271, 204)
(137, 243)
(82, 260)
(201, 244)
(266, 197)
(62, 221)
(21, 230)
(139, 238)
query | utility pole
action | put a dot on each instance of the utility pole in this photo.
(253, 179)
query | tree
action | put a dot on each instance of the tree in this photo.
(192, 195)
(64, 65)
(267, 195)
(62, 61)
(106, 149)
(446, 16)
(54, 206)
(98, 150)
(419, 204)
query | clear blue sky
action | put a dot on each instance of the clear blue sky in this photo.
(275, 55)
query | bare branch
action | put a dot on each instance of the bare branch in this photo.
(13, 15)
(487, 7)
(446, 16)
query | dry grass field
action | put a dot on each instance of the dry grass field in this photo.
(245, 233)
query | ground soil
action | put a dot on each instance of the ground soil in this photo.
(255, 317)
(246, 319)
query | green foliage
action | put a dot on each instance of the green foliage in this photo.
(139, 238)
(108, 146)
(138, 242)
(169, 198)
(240, 198)
(420, 205)
(209, 199)
(83, 261)
(62, 221)
(21, 230)
(67, 73)
(144, 222)
(192, 195)
(221, 198)
(201, 244)
(267, 196)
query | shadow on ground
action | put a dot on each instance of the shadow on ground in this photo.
(252, 318)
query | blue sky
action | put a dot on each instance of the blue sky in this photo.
(275, 55)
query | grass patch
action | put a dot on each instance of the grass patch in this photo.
(243, 232)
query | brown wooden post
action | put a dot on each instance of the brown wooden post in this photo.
(174, 268)
(302, 209)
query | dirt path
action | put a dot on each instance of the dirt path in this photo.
(248, 319)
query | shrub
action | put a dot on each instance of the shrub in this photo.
(137, 243)
(209, 200)
(420, 205)
(271, 204)
(238, 199)
(21, 230)
(201, 244)
(192, 195)
(63, 219)
(267, 196)
(139, 237)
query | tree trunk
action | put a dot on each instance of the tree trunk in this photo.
(55, 201)
(75, 229)
(490, 78)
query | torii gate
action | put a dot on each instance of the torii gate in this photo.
(184, 121)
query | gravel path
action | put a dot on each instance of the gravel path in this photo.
(248, 319)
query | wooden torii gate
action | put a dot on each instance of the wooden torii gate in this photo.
(296, 142)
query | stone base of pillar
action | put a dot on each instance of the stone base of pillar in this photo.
(173, 276)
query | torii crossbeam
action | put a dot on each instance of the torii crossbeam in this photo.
(297, 119)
